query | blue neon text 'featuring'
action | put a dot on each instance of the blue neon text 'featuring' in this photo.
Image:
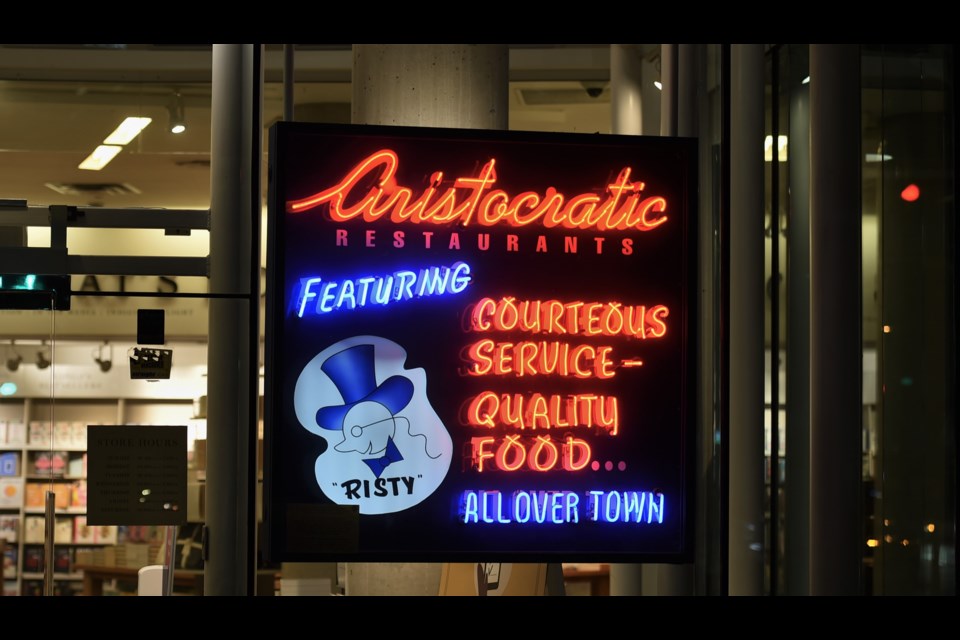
(331, 295)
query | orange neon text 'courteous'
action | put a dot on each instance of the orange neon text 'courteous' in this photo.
(370, 191)
(573, 318)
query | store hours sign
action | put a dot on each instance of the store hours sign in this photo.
(479, 345)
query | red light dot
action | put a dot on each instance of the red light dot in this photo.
(622, 465)
(911, 193)
(608, 465)
(595, 465)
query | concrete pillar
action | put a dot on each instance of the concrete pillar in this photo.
(427, 85)
(626, 89)
(463, 86)
(745, 446)
(234, 212)
(835, 340)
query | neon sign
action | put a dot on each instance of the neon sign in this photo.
(478, 346)
(619, 206)
(330, 295)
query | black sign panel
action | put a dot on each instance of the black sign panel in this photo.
(137, 475)
(479, 345)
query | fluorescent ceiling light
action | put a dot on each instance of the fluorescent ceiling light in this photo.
(805, 80)
(878, 157)
(658, 85)
(100, 157)
(781, 148)
(127, 131)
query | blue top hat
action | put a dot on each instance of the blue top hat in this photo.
(352, 371)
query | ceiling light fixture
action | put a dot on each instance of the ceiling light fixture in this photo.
(878, 157)
(100, 157)
(175, 109)
(129, 129)
(658, 85)
(104, 362)
(13, 358)
(42, 361)
(805, 80)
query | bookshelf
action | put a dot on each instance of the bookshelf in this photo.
(37, 455)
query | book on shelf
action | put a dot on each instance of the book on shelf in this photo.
(10, 588)
(61, 560)
(77, 466)
(49, 463)
(10, 463)
(11, 493)
(63, 434)
(10, 562)
(63, 531)
(34, 495)
(39, 433)
(33, 529)
(140, 533)
(82, 533)
(12, 434)
(79, 436)
(9, 528)
(33, 560)
(78, 494)
(62, 493)
(88, 556)
(32, 588)
(106, 534)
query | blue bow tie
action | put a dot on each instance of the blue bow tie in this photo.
(377, 465)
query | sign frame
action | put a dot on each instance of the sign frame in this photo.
(336, 549)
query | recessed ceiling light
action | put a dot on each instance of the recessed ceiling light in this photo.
(100, 157)
(129, 129)
(658, 85)
(805, 80)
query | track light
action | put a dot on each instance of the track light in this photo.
(13, 362)
(104, 362)
(175, 109)
(13, 358)
(42, 361)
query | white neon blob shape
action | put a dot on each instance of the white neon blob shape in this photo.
(382, 462)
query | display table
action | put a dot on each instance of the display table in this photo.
(185, 580)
